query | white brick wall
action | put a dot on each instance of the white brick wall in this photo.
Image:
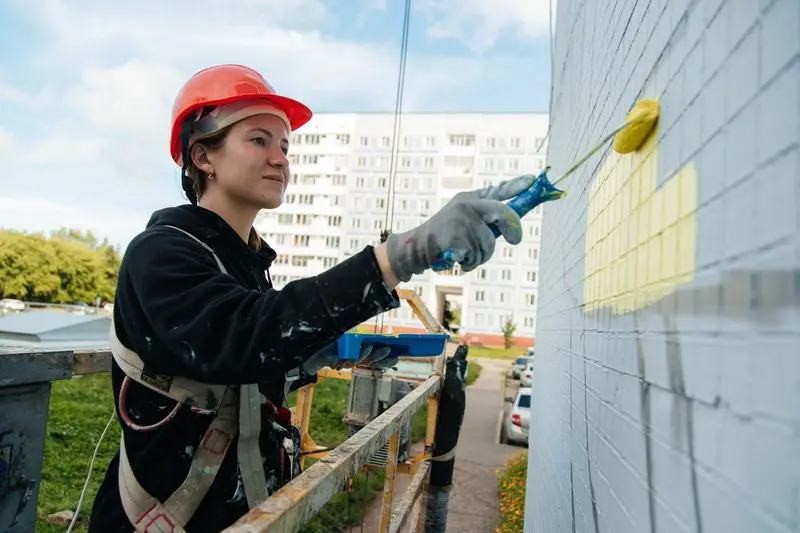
(682, 415)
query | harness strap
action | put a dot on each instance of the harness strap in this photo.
(232, 404)
(149, 515)
(182, 390)
(251, 466)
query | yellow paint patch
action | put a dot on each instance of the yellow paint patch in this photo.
(640, 241)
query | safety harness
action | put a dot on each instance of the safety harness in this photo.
(237, 408)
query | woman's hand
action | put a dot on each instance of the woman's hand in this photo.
(461, 228)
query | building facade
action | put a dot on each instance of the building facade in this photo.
(342, 196)
(667, 375)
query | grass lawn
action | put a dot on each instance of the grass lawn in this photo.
(495, 352)
(511, 486)
(473, 372)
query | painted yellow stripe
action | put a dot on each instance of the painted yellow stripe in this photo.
(640, 241)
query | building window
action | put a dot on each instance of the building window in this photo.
(531, 277)
(364, 141)
(529, 322)
(530, 299)
(505, 274)
(462, 140)
(480, 296)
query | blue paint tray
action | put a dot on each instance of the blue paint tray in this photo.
(403, 345)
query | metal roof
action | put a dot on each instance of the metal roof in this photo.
(38, 322)
(44, 326)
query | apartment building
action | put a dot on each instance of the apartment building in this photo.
(342, 196)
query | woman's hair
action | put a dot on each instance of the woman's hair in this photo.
(195, 180)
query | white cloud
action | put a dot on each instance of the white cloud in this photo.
(116, 69)
(61, 149)
(8, 142)
(28, 213)
(480, 23)
(132, 98)
(11, 94)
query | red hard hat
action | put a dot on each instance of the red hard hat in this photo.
(224, 84)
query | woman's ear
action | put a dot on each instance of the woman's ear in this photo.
(199, 155)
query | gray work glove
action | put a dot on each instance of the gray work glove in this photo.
(460, 230)
(371, 355)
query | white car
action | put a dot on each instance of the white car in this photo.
(519, 365)
(518, 421)
(526, 376)
(12, 305)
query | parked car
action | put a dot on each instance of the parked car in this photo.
(518, 421)
(519, 365)
(9, 304)
(526, 377)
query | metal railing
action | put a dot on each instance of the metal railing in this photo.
(31, 371)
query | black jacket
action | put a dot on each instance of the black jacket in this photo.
(184, 317)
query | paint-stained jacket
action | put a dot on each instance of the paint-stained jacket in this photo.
(184, 317)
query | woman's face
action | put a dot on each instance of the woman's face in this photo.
(251, 166)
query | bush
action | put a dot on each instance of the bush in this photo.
(511, 487)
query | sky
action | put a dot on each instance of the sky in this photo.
(87, 86)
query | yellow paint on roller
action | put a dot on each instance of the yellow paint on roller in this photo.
(642, 119)
(640, 241)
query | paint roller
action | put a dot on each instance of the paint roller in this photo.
(630, 136)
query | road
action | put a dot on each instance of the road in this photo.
(474, 506)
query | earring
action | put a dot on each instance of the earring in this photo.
(211, 175)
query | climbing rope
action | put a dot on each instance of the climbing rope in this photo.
(391, 186)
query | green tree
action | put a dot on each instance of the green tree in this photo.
(68, 266)
(508, 329)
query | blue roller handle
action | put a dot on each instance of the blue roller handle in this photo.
(540, 191)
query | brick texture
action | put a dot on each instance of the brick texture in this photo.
(667, 377)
